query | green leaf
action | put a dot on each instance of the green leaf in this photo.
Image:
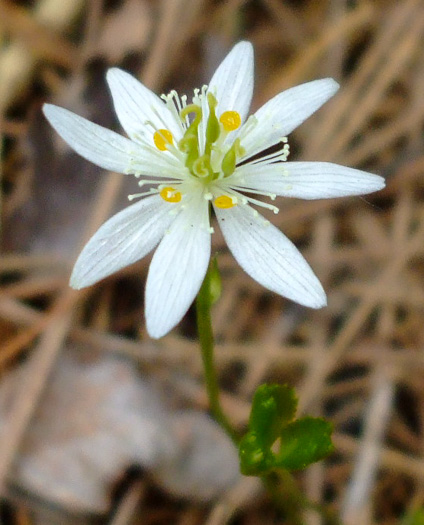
(274, 406)
(303, 442)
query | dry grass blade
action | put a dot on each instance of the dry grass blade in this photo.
(37, 371)
(37, 39)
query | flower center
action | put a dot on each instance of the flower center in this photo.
(215, 161)
(205, 159)
(203, 149)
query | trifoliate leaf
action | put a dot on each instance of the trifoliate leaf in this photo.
(276, 440)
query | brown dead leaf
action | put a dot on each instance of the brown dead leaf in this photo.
(97, 418)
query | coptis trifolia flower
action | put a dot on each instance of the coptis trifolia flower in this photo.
(198, 153)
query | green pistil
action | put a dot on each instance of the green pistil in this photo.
(189, 143)
(200, 166)
(228, 164)
(213, 129)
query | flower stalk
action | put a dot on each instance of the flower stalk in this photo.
(204, 302)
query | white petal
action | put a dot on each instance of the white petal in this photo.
(176, 272)
(139, 110)
(269, 257)
(99, 145)
(232, 82)
(122, 240)
(283, 113)
(309, 180)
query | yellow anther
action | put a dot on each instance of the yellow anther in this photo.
(224, 202)
(231, 120)
(162, 138)
(170, 194)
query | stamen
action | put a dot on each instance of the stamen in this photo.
(170, 194)
(250, 200)
(272, 196)
(143, 182)
(263, 204)
(249, 125)
(230, 120)
(140, 195)
(199, 95)
(176, 104)
(162, 138)
(224, 202)
(281, 155)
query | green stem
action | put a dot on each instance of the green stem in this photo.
(287, 496)
(206, 340)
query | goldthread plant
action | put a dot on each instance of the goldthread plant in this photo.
(192, 157)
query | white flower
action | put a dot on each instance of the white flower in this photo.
(195, 154)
